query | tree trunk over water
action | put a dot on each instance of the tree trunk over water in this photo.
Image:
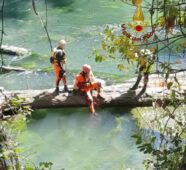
(114, 95)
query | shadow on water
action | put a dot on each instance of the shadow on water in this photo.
(17, 8)
(21, 8)
(60, 3)
(69, 136)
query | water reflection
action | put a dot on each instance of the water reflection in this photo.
(71, 139)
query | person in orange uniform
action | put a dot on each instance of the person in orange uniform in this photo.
(85, 82)
(58, 60)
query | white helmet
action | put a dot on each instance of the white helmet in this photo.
(62, 42)
(86, 68)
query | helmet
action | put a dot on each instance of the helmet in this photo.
(86, 68)
(62, 42)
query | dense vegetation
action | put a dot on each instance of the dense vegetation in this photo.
(168, 149)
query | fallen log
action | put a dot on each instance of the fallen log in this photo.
(114, 95)
(12, 50)
(12, 68)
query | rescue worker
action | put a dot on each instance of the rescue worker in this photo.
(58, 60)
(85, 82)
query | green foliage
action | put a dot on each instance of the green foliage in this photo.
(163, 136)
(44, 166)
(166, 155)
(18, 105)
(9, 128)
(116, 47)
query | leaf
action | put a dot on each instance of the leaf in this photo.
(178, 49)
(173, 11)
(142, 61)
(169, 85)
(138, 141)
(29, 167)
(161, 21)
(133, 2)
(104, 45)
(135, 136)
(121, 67)
(98, 58)
(18, 150)
(112, 50)
(184, 43)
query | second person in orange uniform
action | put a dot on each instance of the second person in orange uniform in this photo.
(85, 82)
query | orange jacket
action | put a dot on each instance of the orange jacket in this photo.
(81, 80)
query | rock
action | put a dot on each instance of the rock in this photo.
(12, 50)
(13, 68)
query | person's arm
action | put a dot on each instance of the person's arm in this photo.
(59, 59)
(75, 84)
(92, 77)
(64, 59)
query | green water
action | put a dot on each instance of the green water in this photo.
(70, 138)
(80, 22)
(74, 140)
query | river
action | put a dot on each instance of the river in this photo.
(73, 140)
(80, 23)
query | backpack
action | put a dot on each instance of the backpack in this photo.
(52, 59)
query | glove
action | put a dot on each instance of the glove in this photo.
(88, 84)
(61, 74)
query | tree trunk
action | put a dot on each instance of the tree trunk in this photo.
(135, 86)
(114, 95)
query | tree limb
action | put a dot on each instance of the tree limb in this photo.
(2, 31)
(44, 24)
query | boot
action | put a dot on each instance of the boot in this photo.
(56, 90)
(100, 97)
(66, 89)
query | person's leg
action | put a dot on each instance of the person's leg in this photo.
(64, 80)
(90, 102)
(57, 78)
(97, 86)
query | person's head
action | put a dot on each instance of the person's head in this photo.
(62, 43)
(86, 69)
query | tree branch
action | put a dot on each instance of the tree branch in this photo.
(2, 31)
(42, 22)
(155, 42)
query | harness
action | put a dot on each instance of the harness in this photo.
(54, 59)
(55, 55)
(84, 83)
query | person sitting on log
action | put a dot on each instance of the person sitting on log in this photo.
(85, 82)
(58, 60)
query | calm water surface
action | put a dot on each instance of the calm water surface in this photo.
(74, 140)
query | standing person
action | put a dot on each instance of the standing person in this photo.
(58, 60)
(85, 82)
